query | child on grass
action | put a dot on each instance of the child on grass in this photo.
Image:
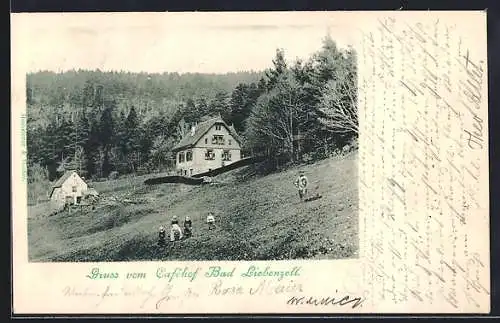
(188, 227)
(175, 230)
(161, 236)
(211, 221)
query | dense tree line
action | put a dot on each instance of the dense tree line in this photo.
(101, 122)
(308, 107)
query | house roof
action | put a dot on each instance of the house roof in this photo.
(63, 178)
(200, 130)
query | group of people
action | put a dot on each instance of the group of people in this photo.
(178, 233)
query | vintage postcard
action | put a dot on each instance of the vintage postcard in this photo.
(271, 162)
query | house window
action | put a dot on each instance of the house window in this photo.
(218, 140)
(191, 171)
(73, 189)
(206, 140)
(209, 154)
(181, 157)
(229, 142)
(218, 127)
(226, 155)
(189, 155)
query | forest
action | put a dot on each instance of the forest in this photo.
(105, 123)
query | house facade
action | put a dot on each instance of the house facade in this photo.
(70, 188)
(209, 145)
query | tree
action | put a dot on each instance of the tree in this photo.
(274, 122)
(262, 85)
(327, 61)
(243, 99)
(64, 139)
(161, 152)
(106, 167)
(258, 133)
(272, 109)
(88, 94)
(183, 129)
(106, 128)
(132, 140)
(118, 152)
(93, 143)
(38, 179)
(79, 139)
(202, 109)
(220, 105)
(338, 102)
(99, 96)
(80, 161)
(279, 67)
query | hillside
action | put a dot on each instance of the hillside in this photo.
(259, 218)
(62, 93)
(109, 123)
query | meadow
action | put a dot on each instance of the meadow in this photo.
(258, 218)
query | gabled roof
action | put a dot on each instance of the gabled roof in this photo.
(200, 130)
(63, 178)
(61, 181)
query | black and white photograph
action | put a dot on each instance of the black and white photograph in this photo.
(195, 143)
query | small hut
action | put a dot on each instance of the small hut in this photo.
(69, 189)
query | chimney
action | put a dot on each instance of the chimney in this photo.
(193, 130)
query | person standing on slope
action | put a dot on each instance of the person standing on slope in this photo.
(301, 183)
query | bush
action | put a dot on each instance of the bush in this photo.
(38, 184)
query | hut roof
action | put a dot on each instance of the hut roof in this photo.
(63, 178)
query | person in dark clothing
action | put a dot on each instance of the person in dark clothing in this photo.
(188, 227)
(161, 236)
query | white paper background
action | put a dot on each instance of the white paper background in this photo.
(415, 255)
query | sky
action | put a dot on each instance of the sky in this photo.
(171, 42)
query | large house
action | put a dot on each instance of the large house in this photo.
(70, 188)
(210, 144)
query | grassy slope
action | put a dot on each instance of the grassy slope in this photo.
(259, 218)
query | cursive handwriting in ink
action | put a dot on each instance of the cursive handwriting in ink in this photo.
(346, 300)
(166, 296)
